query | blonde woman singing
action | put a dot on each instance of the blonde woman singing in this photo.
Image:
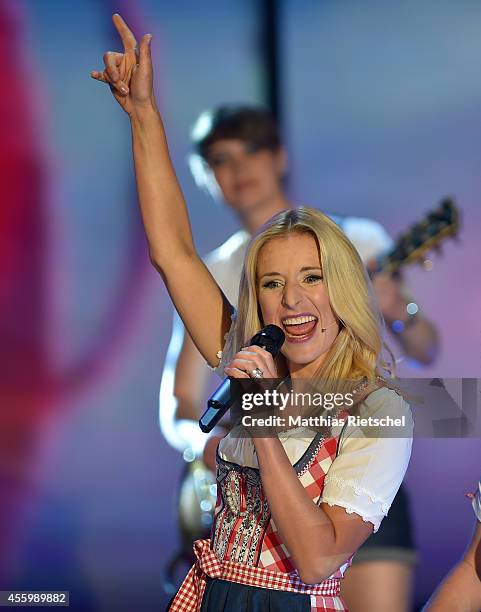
(292, 508)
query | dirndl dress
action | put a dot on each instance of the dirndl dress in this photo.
(245, 567)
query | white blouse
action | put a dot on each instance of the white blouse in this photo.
(367, 472)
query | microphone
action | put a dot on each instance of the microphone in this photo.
(270, 338)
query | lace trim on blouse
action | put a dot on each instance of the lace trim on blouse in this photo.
(352, 509)
(354, 498)
(376, 499)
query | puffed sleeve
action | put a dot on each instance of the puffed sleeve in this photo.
(368, 470)
(477, 502)
(228, 351)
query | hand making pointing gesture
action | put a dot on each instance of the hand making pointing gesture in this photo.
(129, 74)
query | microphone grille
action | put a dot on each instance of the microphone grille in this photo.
(271, 337)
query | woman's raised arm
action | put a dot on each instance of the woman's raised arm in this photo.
(199, 301)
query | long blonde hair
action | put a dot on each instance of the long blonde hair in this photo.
(356, 351)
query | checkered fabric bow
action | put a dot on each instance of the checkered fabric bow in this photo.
(190, 594)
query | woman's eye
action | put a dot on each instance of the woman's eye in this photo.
(313, 278)
(271, 284)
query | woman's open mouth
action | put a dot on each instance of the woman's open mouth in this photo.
(299, 328)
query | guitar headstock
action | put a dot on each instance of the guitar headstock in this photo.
(427, 234)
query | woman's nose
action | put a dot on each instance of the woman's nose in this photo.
(291, 296)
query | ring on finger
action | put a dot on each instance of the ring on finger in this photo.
(257, 373)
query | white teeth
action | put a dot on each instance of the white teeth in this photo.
(298, 320)
(297, 337)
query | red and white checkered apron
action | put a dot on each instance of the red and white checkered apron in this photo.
(324, 596)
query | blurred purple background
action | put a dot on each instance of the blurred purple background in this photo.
(381, 109)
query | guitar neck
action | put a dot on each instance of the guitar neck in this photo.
(422, 237)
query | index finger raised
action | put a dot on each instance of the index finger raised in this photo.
(128, 39)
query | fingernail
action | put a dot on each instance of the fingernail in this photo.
(124, 90)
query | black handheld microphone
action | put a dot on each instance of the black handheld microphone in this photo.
(270, 338)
